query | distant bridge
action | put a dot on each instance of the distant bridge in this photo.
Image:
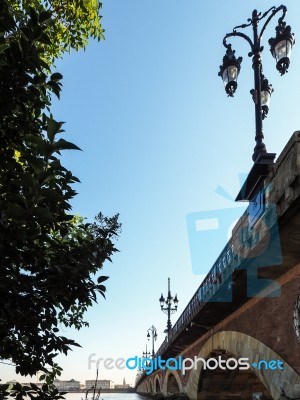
(249, 303)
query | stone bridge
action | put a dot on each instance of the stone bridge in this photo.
(248, 306)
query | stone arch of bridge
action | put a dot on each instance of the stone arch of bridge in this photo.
(157, 385)
(238, 345)
(228, 381)
(172, 383)
(151, 386)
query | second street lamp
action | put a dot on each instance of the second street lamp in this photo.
(153, 332)
(146, 353)
(281, 47)
(168, 306)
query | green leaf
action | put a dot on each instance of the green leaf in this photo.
(28, 180)
(62, 144)
(53, 127)
(45, 16)
(52, 195)
(3, 47)
(38, 140)
(35, 163)
(44, 38)
(103, 294)
(56, 77)
(42, 213)
(102, 279)
(16, 211)
(33, 386)
(33, 15)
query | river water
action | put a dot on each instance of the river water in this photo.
(105, 396)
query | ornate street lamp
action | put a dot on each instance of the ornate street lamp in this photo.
(229, 71)
(153, 332)
(281, 47)
(168, 306)
(266, 92)
(146, 353)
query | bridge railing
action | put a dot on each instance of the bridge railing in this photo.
(217, 276)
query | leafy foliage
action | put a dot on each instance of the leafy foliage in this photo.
(70, 26)
(49, 258)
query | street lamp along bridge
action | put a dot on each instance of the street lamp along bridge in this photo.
(168, 306)
(153, 332)
(280, 47)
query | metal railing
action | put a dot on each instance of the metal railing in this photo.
(217, 276)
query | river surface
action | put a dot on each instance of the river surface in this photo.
(105, 396)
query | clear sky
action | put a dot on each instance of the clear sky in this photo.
(158, 135)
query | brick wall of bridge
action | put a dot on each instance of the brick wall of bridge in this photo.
(267, 320)
(270, 320)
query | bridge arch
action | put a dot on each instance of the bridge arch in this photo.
(157, 385)
(172, 383)
(144, 387)
(233, 383)
(151, 390)
(240, 345)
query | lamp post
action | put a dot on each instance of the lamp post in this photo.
(153, 332)
(168, 306)
(146, 353)
(281, 47)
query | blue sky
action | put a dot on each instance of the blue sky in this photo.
(158, 135)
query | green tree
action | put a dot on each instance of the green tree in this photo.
(49, 258)
(70, 26)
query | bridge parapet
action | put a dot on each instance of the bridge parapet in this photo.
(285, 176)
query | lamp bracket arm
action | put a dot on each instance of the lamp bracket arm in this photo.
(274, 9)
(274, 12)
(240, 34)
(243, 26)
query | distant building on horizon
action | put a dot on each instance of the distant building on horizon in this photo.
(124, 386)
(69, 386)
(101, 383)
(38, 384)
